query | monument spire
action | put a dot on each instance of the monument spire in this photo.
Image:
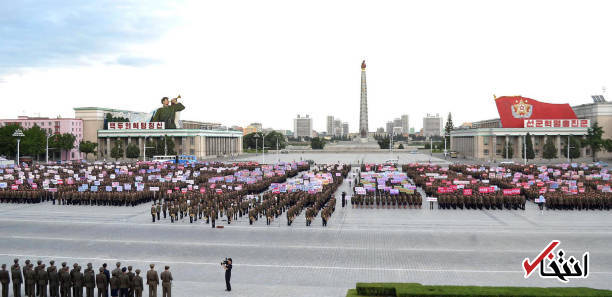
(363, 107)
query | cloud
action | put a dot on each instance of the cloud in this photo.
(74, 32)
(136, 61)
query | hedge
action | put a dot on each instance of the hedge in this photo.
(414, 289)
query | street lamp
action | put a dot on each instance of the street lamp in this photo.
(47, 148)
(263, 148)
(256, 136)
(18, 133)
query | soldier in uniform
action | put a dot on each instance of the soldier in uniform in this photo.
(36, 269)
(137, 284)
(53, 279)
(153, 280)
(42, 281)
(153, 211)
(17, 278)
(158, 210)
(24, 269)
(30, 280)
(165, 208)
(5, 280)
(130, 275)
(77, 281)
(166, 278)
(124, 283)
(65, 281)
(89, 278)
(101, 283)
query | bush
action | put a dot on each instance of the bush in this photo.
(376, 289)
(414, 289)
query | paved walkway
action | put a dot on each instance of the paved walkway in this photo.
(466, 247)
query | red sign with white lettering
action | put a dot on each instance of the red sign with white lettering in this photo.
(579, 123)
(136, 125)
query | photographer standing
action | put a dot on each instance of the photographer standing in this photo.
(227, 265)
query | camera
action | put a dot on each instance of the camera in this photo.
(224, 262)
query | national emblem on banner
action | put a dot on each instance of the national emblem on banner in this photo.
(521, 109)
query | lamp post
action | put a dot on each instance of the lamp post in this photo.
(263, 148)
(47, 148)
(18, 133)
(256, 136)
(568, 149)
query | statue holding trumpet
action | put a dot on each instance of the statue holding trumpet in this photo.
(167, 113)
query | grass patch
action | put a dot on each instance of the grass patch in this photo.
(414, 289)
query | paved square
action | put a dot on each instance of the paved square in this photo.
(463, 247)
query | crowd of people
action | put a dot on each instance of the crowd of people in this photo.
(61, 281)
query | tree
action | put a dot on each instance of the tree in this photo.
(549, 149)
(88, 147)
(401, 146)
(62, 142)
(575, 145)
(8, 143)
(34, 142)
(448, 127)
(317, 143)
(110, 119)
(151, 148)
(530, 153)
(593, 140)
(132, 151)
(165, 147)
(509, 149)
(271, 140)
(384, 143)
(117, 151)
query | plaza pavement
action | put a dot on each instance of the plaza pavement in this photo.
(462, 247)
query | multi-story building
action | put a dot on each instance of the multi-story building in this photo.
(302, 126)
(345, 129)
(201, 139)
(519, 116)
(54, 126)
(405, 124)
(389, 127)
(432, 125)
(330, 125)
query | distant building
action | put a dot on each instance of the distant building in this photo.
(380, 130)
(488, 139)
(330, 125)
(53, 126)
(389, 127)
(258, 127)
(337, 128)
(201, 125)
(345, 129)
(248, 130)
(202, 139)
(432, 125)
(405, 124)
(302, 126)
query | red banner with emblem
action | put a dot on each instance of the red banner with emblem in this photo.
(513, 110)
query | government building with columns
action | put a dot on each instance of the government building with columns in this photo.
(487, 140)
(203, 140)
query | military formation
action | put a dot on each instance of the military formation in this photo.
(131, 184)
(54, 281)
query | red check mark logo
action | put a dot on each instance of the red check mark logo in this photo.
(529, 267)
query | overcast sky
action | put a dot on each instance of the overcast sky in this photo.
(237, 62)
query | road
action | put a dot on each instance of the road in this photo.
(463, 247)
